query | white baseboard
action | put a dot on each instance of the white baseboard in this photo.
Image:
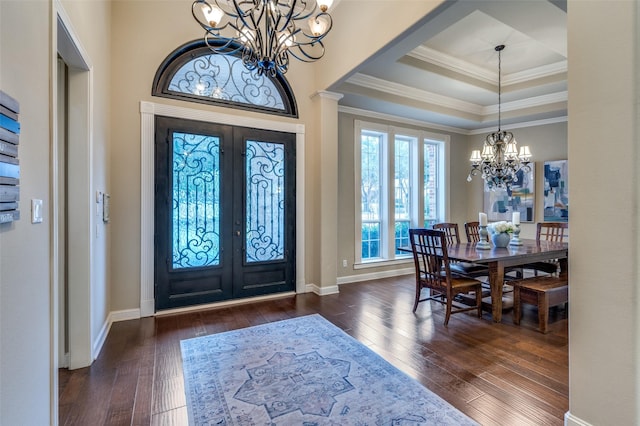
(125, 315)
(571, 420)
(102, 336)
(375, 275)
(322, 291)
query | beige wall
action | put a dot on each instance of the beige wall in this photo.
(603, 261)
(25, 381)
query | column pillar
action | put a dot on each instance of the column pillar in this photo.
(327, 128)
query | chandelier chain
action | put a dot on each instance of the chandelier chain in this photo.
(499, 84)
(499, 162)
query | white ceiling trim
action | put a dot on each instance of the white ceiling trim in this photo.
(534, 73)
(421, 123)
(399, 119)
(536, 101)
(398, 89)
(452, 63)
(426, 54)
(520, 125)
(386, 86)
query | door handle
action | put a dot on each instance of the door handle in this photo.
(238, 233)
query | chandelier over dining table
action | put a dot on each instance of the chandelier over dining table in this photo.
(499, 161)
(265, 32)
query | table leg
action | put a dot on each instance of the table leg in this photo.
(564, 268)
(496, 281)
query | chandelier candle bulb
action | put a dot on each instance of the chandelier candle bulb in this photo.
(212, 14)
(265, 33)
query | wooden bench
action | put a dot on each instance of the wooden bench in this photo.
(544, 292)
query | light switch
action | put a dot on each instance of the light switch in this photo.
(36, 211)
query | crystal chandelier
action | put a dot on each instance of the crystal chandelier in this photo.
(499, 161)
(265, 32)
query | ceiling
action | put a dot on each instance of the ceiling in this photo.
(444, 71)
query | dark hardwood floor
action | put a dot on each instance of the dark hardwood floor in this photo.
(498, 374)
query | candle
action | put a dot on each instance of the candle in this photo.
(515, 218)
(483, 219)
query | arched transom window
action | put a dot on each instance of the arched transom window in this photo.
(194, 73)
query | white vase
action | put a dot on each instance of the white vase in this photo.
(500, 239)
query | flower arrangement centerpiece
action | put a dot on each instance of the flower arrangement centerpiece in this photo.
(502, 226)
(500, 233)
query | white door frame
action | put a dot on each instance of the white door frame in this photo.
(148, 111)
(79, 135)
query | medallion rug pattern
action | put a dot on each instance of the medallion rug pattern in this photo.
(302, 371)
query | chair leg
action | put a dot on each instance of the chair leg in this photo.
(418, 290)
(449, 303)
(479, 300)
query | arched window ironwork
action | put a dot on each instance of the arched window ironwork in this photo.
(194, 73)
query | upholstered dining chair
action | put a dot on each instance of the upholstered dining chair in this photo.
(433, 272)
(549, 231)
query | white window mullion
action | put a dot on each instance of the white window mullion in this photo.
(357, 166)
(417, 207)
(389, 214)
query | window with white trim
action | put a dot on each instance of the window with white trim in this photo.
(399, 185)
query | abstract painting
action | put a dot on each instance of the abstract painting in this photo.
(499, 204)
(556, 191)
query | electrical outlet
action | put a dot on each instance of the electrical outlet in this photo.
(344, 263)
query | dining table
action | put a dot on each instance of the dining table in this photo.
(499, 258)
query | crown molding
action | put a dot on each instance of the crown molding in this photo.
(535, 101)
(420, 123)
(404, 91)
(398, 119)
(521, 125)
(432, 56)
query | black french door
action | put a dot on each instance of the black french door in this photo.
(224, 212)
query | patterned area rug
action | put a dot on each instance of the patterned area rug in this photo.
(302, 371)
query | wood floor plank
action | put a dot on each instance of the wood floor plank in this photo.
(498, 374)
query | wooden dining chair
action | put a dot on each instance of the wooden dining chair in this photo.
(549, 231)
(472, 229)
(451, 231)
(452, 236)
(433, 272)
